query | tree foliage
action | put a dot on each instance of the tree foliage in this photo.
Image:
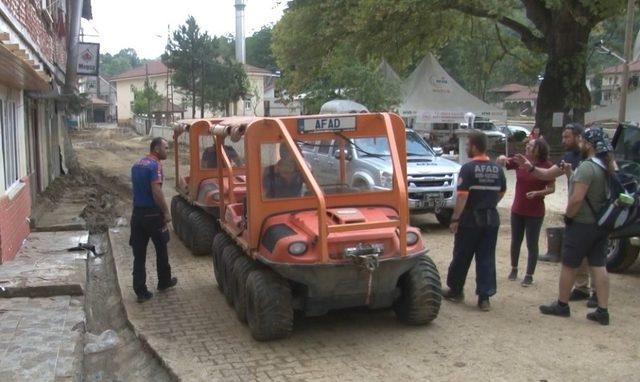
(526, 33)
(125, 59)
(203, 68)
(145, 100)
(258, 48)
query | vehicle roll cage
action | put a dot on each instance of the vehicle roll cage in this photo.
(257, 131)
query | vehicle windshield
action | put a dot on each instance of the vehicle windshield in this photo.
(485, 126)
(378, 146)
(282, 177)
(628, 146)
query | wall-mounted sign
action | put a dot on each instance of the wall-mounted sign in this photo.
(88, 58)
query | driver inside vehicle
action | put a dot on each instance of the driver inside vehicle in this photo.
(283, 179)
(210, 157)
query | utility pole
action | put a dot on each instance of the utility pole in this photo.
(167, 109)
(146, 92)
(628, 53)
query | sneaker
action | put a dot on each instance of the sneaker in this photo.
(453, 296)
(555, 310)
(514, 274)
(599, 316)
(145, 296)
(484, 304)
(171, 284)
(528, 280)
(592, 302)
(578, 295)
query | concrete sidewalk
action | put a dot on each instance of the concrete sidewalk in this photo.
(42, 313)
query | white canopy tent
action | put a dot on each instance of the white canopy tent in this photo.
(387, 72)
(610, 112)
(432, 96)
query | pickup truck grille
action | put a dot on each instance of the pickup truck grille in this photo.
(430, 180)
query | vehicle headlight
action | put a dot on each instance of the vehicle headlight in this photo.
(386, 179)
(297, 248)
(412, 238)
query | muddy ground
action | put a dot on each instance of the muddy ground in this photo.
(512, 342)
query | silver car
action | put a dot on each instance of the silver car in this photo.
(431, 179)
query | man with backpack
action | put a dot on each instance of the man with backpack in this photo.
(583, 237)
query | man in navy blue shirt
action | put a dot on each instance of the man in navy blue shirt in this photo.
(149, 220)
(475, 223)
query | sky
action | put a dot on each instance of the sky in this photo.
(142, 24)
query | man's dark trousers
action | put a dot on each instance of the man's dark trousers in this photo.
(148, 223)
(481, 242)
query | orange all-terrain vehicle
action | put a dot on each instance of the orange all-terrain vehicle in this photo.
(287, 233)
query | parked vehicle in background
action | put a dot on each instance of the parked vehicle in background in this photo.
(624, 244)
(513, 131)
(431, 179)
(488, 128)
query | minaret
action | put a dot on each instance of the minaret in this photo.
(240, 56)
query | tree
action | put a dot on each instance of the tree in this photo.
(259, 49)
(560, 29)
(404, 29)
(184, 55)
(203, 68)
(125, 59)
(145, 99)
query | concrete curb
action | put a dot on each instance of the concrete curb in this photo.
(143, 339)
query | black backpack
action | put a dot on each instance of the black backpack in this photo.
(615, 215)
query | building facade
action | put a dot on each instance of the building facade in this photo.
(253, 104)
(33, 55)
(612, 81)
(102, 100)
(156, 71)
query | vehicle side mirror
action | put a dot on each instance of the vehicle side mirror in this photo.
(347, 155)
(438, 151)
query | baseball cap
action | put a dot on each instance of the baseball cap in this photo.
(598, 139)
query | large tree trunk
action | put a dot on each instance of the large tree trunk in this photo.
(563, 89)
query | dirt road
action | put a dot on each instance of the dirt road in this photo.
(513, 342)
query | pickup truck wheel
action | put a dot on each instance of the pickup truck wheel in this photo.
(230, 255)
(444, 217)
(220, 241)
(421, 293)
(269, 308)
(620, 254)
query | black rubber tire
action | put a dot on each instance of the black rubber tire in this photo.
(269, 308)
(230, 254)
(241, 270)
(621, 254)
(188, 227)
(179, 218)
(421, 293)
(175, 201)
(204, 229)
(444, 217)
(220, 241)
